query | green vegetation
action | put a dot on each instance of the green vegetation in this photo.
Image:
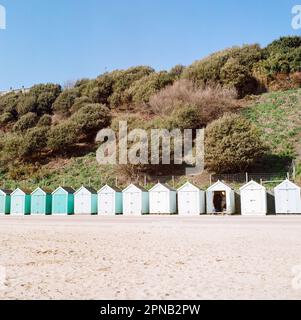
(49, 124)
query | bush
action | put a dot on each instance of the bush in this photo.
(6, 118)
(35, 140)
(62, 136)
(91, 118)
(39, 99)
(214, 69)
(232, 144)
(26, 122)
(8, 103)
(65, 101)
(79, 103)
(141, 90)
(45, 121)
(11, 147)
(186, 117)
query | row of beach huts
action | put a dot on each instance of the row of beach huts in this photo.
(252, 199)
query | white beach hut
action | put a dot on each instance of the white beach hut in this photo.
(220, 198)
(85, 201)
(162, 199)
(109, 201)
(135, 200)
(191, 200)
(287, 198)
(253, 199)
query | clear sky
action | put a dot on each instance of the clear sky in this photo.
(62, 40)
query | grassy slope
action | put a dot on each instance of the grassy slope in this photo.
(278, 114)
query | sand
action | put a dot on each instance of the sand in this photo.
(154, 257)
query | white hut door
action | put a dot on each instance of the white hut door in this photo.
(107, 203)
(134, 203)
(289, 201)
(160, 200)
(188, 202)
(253, 201)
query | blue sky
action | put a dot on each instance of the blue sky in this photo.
(62, 40)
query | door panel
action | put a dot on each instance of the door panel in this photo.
(59, 204)
(107, 203)
(18, 205)
(2, 204)
(38, 205)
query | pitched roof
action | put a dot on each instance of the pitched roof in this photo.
(137, 186)
(26, 191)
(6, 191)
(46, 190)
(67, 189)
(164, 185)
(90, 189)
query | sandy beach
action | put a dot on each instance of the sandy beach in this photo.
(150, 257)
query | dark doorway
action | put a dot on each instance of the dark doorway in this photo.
(219, 201)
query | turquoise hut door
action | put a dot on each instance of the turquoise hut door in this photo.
(38, 204)
(59, 204)
(2, 204)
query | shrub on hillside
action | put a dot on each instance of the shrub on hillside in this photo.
(91, 118)
(79, 103)
(211, 70)
(8, 103)
(232, 144)
(34, 141)
(39, 99)
(141, 90)
(6, 118)
(62, 136)
(65, 101)
(26, 122)
(45, 121)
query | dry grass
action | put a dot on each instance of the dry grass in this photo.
(212, 100)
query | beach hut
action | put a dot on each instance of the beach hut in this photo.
(253, 199)
(41, 201)
(191, 200)
(20, 202)
(220, 198)
(5, 201)
(287, 198)
(63, 201)
(135, 200)
(162, 199)
(85, 201)
(109, 201)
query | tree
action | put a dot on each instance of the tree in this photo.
(232, 143)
